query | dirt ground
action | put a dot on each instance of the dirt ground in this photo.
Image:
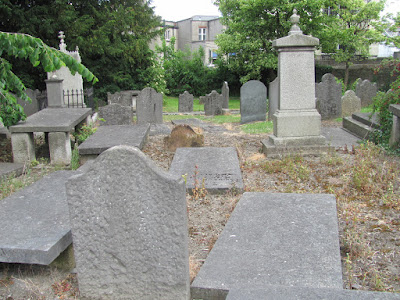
(365, 182)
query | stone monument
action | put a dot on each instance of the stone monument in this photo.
(213, 104)
(253, 102)
(225, 95)
(149, 107)
(329, 94)
(350, 104)
(185, 102)
(297, 123)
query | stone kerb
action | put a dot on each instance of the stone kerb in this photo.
(116, 114)
(366, 91)
(329, 93)
(225, 95)
(253, 102)
(350, 104)
(213, 104)
(185, 102)
(129, 227)
(149, 107)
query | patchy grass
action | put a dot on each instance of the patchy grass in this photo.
(258, 127)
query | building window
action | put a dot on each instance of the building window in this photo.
(167, 35)
(202, 34)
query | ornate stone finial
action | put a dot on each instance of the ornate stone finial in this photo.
(61, 36)
(295, 19)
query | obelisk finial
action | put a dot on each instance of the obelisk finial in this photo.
(295, 19)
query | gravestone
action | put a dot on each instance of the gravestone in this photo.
(213, 104)
(129, 227)
(218, 168)
(225, 95)
(184, 136)
(202, 99)
(273, 97)
(185, 102)
(329, 94)
(350, 104)
(125, 98)
(29, 107)
(366, 91)
(253, 102)
(149, 107)
(116, 114)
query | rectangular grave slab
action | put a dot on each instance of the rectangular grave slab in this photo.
(109, 136)
(35, 222)
(219, 167)
(289, 240)
(10, 169)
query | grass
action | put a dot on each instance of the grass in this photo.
(171, 104)
(258, 127)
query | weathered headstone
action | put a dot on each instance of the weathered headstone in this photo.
(350, 104)
(184, 136)
(253, 102)
(185, 102)
(29, 107)
(129, 227)
(273, 97)
(213, 104)
(329, 93)
(149, 107)
(225, 95)
(366, 91)
(116, 114)
(202, 99)
(125, 98)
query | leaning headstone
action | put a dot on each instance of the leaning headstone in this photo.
(273, 97)
(366, 91)
(149, 107)
(184, 136)
(116, 114)
(185, 102)
(329, 94)
(350, 104)
(225, 95)
(253, 102)
(213, 104)
(129, 227)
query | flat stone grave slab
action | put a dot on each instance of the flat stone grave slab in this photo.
(35, 222)
(10, 169)
(367, 119)
(218, 167)
(289, 240)
(159, 129)
(52, 120)
(107, 137)
(338, 137)
(198, 123)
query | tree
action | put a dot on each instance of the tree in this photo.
(252, 25)
(351, 26)
(23, 46)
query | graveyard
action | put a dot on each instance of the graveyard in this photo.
(178, 206)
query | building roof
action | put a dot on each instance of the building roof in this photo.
(201, 18)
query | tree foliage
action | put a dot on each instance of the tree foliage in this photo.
(26, 47)
(113, 37)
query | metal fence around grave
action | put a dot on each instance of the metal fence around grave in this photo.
(79, 98)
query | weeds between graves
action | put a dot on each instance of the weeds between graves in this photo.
(199, 191)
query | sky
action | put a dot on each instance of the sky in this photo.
(176, 10)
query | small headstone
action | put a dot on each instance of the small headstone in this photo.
(202, 99)
(273, 97)
(185, 102)
(184, 136)
(129, 227)
(253, 102)
(30, 107)
(125, 98)
(213, 104)
(225, 95)
(218, 168)
(329, 93)
(116, 114)
(366, 91)
(149, 107)
(350, 104)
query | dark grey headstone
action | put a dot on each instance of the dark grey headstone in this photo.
(213, 104)
(116, 114)
(273, 97)
(366, 91)
(225, 95)
(107, 137)
(129, 226)
(350, 104)
(185, 102)
(35, 222)
(218, 167)
(329, 94)
(253, 102)
(290, 240)
(30, 107)
(149, 107)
